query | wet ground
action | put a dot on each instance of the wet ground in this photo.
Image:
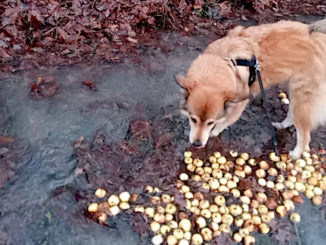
(133, 136)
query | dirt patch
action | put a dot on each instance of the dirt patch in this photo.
(151, 154)
(3, 237)
(282, 231)
(8, 155)
(43, 33)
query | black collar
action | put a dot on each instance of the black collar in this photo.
(252, 68)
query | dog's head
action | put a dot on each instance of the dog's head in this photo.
(212, 94)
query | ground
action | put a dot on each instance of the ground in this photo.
(133, 135)
(41, 33)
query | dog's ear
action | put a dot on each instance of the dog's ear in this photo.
(180, 80)
(183, 83)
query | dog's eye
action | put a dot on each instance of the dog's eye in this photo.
(194, 120)
(210, 123)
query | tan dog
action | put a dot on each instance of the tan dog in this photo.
(287, 51)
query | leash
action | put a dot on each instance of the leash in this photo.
(254, 69)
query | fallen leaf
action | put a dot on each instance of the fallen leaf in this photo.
(132, 40)
(90, 85)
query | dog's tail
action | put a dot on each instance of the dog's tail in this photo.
(318, 26)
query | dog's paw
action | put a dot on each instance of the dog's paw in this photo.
(215, 133)
(277, 125)
(295, 154)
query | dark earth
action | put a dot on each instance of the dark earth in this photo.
(64, 32)
(75, 121)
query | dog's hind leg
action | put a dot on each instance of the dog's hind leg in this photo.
(287, 122)
(302, 122)
(303, 139)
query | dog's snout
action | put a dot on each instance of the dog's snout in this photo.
(197, 143)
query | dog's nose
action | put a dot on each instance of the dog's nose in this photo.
(197, 143)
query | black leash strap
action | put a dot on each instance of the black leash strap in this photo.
(254, 69)
(274, 136)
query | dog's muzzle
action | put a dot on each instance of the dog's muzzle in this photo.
(197, 144)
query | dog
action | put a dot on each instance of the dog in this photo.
(217, 90)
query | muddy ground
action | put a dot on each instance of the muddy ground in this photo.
(34, 34)
(127, 113)
(133, 136)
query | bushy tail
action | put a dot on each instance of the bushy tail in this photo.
(318, 26)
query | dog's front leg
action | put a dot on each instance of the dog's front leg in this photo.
(232, 115)
(218, 129)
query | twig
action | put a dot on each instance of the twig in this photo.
(297, 233)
